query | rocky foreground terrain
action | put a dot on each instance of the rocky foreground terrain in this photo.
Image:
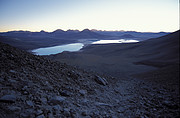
(32, 86)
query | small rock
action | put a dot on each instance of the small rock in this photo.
(46, 82)
(101, 81)
(167, 102)
(44, 100)
(8, 98)
(30, 111)
(170, 105)
(30, 103)
(121, 110)
(39, 112)
(66, 112)
(57, 100)
(84, 102)
(102, 104)
(57, 107)
(73, 113)
(83, 92)
(84, 113)
(50, 115)
(14, 108)
(41, 116)
(12, 81)
(24, 88)
(12, 71)
(24, 115)
(65, 93)
(25, 93)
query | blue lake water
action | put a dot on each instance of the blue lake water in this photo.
(75, 46)
(115, 41)
(58, 49)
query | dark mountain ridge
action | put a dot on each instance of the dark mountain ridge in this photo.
(27, 40)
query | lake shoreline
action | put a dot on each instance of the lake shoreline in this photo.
(74, 47)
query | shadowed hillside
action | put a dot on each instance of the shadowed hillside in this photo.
(32, 86)
(118, 59)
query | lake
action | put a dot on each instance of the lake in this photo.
(58, 49)
(74, 46)
(115, 41)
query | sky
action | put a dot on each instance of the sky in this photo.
(127, 15)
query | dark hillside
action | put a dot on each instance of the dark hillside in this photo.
(37, 87)
(29, 43)
(165, 50)
(114, 59)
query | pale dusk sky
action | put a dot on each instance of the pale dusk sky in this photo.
(128, 15)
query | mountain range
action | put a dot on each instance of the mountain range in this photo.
(27, 40)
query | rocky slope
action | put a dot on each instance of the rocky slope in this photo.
(32, 86)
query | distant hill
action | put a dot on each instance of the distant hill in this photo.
(33, 42)
(140, 35)
(165, 49)
(127, 36)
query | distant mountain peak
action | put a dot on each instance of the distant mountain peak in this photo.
(42, 31)
(86, 30)
(72, 31)
(58, 31)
